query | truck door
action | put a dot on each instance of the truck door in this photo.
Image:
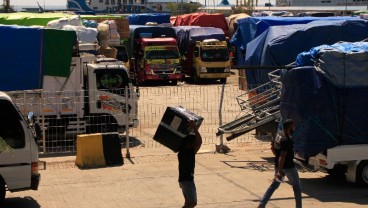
(15, 151)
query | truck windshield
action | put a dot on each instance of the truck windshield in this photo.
(211, 54)
(112, 80)
(162, 54)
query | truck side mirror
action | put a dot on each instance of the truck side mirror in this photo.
(196, 53)
(35, 126)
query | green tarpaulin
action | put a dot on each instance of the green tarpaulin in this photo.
(30, 19)
(58, 46)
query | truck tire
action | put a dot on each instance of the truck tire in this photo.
(362, 173)
(196, 79)
(223, 80)
(2, 190)
(174, 82)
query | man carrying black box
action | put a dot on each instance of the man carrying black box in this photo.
(186, 157)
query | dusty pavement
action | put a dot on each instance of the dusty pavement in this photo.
(149, 179)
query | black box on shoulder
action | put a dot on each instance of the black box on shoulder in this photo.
(173, 127)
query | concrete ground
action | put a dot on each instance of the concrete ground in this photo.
(149, 179)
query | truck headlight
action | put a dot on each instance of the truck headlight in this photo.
(203, 69)
(227, 69)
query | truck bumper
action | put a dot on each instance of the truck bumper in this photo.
(164, 77)
(214, 75)
(35, 181)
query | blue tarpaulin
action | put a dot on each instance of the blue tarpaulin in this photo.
(142, 19)
(328, 99)
(21, 67)
(29, 53)
(188, 35)
(251, 27)
(280, 45)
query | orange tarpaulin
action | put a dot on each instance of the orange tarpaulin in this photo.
(202, 19)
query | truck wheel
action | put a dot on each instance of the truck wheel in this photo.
(196, 79)
(362, 174)
(174, 82)
(2, 190)
(223, 80)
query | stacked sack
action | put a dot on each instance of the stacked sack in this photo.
(87, 38)
(60, 23)
(108, 36)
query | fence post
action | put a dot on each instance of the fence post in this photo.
(127, 122)
(221, 148)
(43, 124)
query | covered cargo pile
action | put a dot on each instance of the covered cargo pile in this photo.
(216, 20)
(122, 23)
(250, 28)
(142, 19)
(30, 19)
(188, 35)
(328, 102)
(29, 53)
(279, 45)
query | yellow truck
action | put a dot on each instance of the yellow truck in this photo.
(205, 53)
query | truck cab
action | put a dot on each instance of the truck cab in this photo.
(97, 97)
(18, 150)
(211, 60)
(111, 96)
(159, 59)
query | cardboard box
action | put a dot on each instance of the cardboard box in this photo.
(173, 127)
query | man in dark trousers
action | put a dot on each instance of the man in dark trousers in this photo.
(282, 147)
(186, 158)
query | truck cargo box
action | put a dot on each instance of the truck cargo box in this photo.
(174, 127)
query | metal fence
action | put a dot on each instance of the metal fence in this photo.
(217, 104)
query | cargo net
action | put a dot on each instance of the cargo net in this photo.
(259, 106)
(63, 115)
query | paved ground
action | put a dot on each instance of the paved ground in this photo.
(149, 179)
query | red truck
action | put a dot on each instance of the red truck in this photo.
(156, 54)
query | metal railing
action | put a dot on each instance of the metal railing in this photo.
(259, 106)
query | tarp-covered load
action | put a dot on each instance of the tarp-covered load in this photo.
(279, 45)
(202, 19)
(326, 111)
(142, 19)
(29, 19)
(27, 54)
(250, 28)
(121, 22)
(232, 22)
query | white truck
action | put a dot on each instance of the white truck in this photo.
(18, 150)
(348, 160)
(98, 96)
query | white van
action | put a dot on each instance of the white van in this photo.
(18, 150)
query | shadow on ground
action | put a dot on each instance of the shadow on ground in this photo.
(19, 202)
(133, 142)
(330, 189)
